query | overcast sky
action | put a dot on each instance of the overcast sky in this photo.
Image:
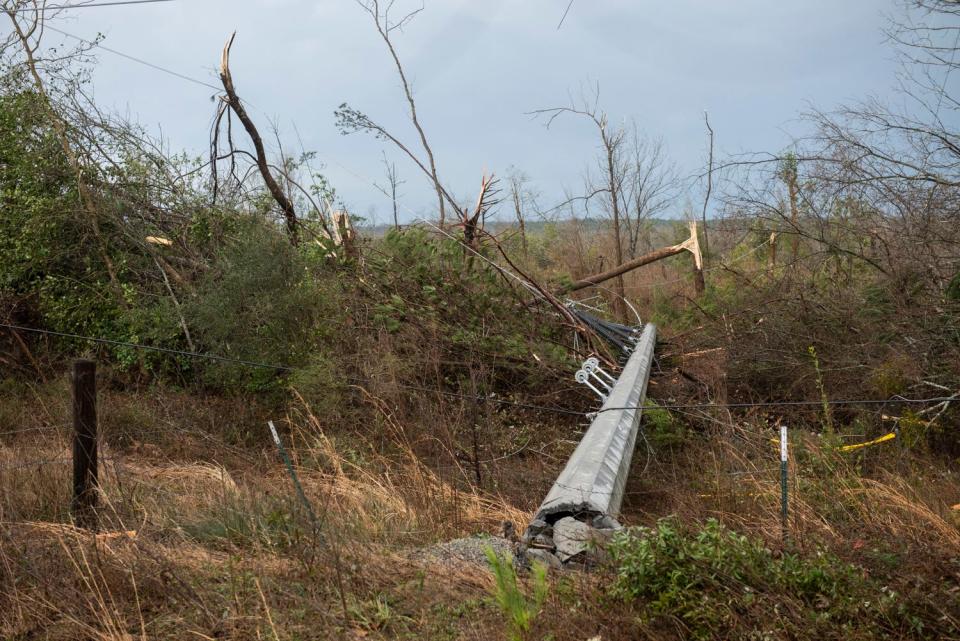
(479, 67)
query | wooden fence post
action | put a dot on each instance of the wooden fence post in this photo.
(85, 486)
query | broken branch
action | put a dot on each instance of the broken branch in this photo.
(691, 245)
(233, 101)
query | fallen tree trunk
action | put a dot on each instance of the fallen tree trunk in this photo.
(691, 245)
(640, 261)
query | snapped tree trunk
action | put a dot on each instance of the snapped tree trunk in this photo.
(619, 270)
(691, 245)
(233, 101)
(518, 208)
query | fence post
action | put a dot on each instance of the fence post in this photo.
(783, 483)
(85, 485)
(293, 475)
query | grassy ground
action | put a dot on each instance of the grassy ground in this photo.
(203, 535)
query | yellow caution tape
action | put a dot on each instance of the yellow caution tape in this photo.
(886, 437)
(856, 446)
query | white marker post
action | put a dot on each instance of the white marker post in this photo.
(783, 482)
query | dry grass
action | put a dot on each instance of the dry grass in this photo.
(904, 501)
(218, 546)
(886, 510)
(190, 549)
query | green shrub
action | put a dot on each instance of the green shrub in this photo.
(715, 581)
(321, 384)
(519, 610)
(261, 301)
(662, 428)
(430, 289)
(48, 254)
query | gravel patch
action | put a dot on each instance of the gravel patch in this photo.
(466, 550)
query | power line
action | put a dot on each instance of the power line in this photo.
(151, 348)
(281, 368)
(564, 17)
(494, 399)
(820, 403)
(141, 61)
(41, 428)
(90, 5)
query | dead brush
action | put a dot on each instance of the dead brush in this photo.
(133, 579)
(168, 496)
(892, 502)
(396, 497)
(34, 481)
(893, 507)
(733, 476)
(744, 489)
(90, 597)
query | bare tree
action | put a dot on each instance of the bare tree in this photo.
(393, 182)
(875, 184)
(612, 142)
(521, 197)
(917, 142)
(650, 186)
(635, 182)
(350, 120)
(278, 177)
(231, 101)
(926, 34)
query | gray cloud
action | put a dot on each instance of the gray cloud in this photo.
(478, 67)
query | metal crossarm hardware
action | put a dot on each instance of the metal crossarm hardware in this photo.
(583, 378)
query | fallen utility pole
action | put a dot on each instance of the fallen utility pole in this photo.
(584, 502)
(691, 245)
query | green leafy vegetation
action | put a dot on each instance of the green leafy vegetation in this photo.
(716, 581)
(408, 370)
(518, 609)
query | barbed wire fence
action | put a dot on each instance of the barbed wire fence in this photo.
(85, 439)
